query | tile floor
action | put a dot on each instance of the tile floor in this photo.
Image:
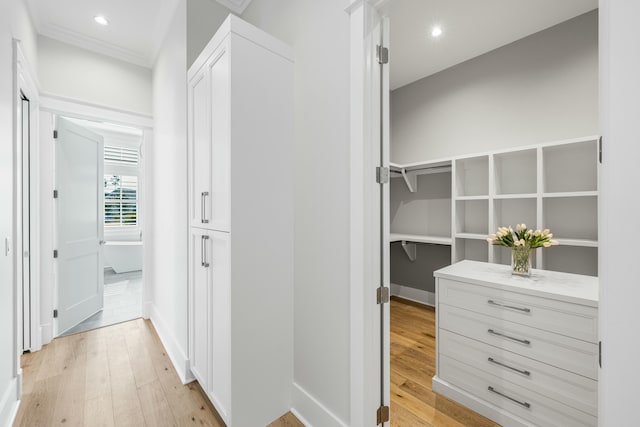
(122, 301)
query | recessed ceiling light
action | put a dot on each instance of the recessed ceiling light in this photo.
(436, 31)
(101, 20)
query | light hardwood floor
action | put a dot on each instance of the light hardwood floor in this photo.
(413, 364)
(115, 376)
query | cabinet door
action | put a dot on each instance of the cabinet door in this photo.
(199, 306)
(219, 70)
(220, 260)
(200, 149)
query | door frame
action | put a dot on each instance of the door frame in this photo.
(53, 105)
(365, 255)
(26, 84)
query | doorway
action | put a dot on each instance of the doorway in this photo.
(434, 128)
(98, 231)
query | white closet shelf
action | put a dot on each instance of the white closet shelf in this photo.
(515, 196)
(586, 243)
(411, 171)
(471, 236)
(472, 198)
(571, 194)
(416, 238)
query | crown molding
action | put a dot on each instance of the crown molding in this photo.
(236, 6)
(95, 45)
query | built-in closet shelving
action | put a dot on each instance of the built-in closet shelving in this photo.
(552, 185)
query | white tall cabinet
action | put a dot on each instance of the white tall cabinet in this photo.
(241, 223)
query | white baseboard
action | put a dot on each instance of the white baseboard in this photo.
(46, 333)
(176, 353)
(9, 404)
(412, 294)
(311, 412)
(146, 309)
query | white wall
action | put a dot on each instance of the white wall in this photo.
(541, 88)
(204, 18)
(14, 23)
(167, 190)
(318, 31)
(620, 210)
(76, 73)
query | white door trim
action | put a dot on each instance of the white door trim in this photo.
(26, 82)
(365, 229)
(72, 108)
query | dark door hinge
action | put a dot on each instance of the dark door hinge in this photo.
(55, 253)
(383, 415)
(382, 55)
(55, 194)
(55, 134)
(383, 295)
(55, 313)
(382, 175)
(600, 150)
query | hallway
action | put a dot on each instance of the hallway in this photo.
(114, 376)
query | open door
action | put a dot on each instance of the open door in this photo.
(79, 223)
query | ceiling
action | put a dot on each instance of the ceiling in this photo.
(470, 28)
(135, 32)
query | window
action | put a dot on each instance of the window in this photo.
(120, 200)
(121, 195)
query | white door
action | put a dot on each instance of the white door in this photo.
(219, 260)
(79, 218)
(200, 150)
(199, 306)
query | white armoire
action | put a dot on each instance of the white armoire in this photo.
(241, 223)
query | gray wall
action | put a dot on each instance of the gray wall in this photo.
(204, 18)
(318, 30)
(538, 89)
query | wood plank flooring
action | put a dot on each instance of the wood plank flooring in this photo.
(115, 376)
(413, 364)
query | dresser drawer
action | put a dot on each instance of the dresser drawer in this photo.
(571, 389)
(556, 350)
(572, 320)
(532, 407)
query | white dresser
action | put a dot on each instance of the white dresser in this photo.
(520, 351)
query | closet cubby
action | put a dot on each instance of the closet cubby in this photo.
(571, 259)
(472, 217)
(511, 212)
(571, 167)
(472, 249)
(472, 176)
(425, 212)
(571, 218)
(516, 172)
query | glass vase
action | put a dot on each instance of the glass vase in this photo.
(521, 260)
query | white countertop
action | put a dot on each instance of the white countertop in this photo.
(572, 288)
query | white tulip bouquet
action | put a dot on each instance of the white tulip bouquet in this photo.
(522, 241)
(522, 236)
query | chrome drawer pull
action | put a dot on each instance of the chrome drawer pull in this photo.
(203, 254)
(491, 331)
(493, 390)
(525, 310)
(203, 208)
(492, 360)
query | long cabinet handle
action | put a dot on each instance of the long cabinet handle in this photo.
(203, 207)
(525, 404)
(203, 253)
(491, 331)
(525, 310)
(492, 360)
